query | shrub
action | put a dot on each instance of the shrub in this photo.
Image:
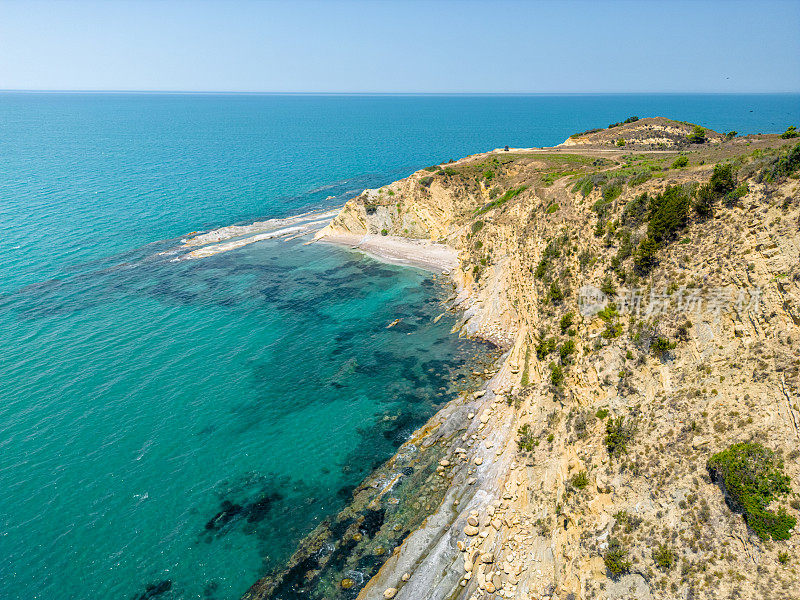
(384, 232)
(526, 440)
(661, 346)
(751, 477)
(625, 122)
(636, 210)
(432, 169)
(668, 212)
(740, 192)
(545, 347)
(618, 435)
(556, 375)
(601, 413)
(664, 557)
(487, 175)
(579, 480)
(783, 166)
(791, 132)
(512, 193)
(426, 181)
(645, 258)
(639, 178)
(607, 286)
(616, 559)
(566, 322)
(556, 294)
(680, 162)
(620, 142)
(731, 134)
(698, 135)
(477, 226)
(722, 179)
(552, 208)
(566, 351)
(704, 200)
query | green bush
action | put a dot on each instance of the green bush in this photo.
(751, 477)
(620, 142)
(723, 180)
(426, 181)
(791, 132)
(668, 213)
(618, 435)
(566, 322)
(384, 232)
(601, 413)
(645, 258)
(432, 169)
(556, 294)
(526, 440)
(782, 166)
(705, 198)
(664, 557)
(616, 559)
(545, 347)
(579, 480)
(607, 286)
(487, 175)
(625, 122)
(556, 375)
(698, 135)
(731, 134)
(566, 350)
(477, 226)
(661, 346)
(512, 193)
(679, 162)
(552, 208)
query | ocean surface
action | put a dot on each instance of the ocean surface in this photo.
(141, 396)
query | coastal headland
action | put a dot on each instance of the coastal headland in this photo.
(638, 435)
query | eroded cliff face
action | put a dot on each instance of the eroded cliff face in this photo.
(582, 471)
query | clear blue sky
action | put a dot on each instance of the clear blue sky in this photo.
(402, 46)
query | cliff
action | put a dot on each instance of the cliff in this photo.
(648, 305)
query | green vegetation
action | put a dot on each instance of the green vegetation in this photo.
(601, 413)
(668, 213)
(512, 193)
(477, 226)
(620, 142)
(488, 175)
(432, 169)
(698, 135)
(661, 346)
(791, 132)
(566, 322)
(618, 435)
(384, 232)
(616, 559)
(731, 134)
(783, 165)
(426, 181)
(587, 132)
(552, 208)
(580, 480)
(680, 162)
(664, 557)
(526, 440)
(751, 477)
(545, 347)
(566, 351)
(556, 375)
(625, 122)
(525, 377)
(556, 294)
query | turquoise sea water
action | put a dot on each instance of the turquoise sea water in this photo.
(139, 395)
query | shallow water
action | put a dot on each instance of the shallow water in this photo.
(189, 421)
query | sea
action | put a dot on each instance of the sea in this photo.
(141, 396)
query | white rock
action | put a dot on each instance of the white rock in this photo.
(390, 593)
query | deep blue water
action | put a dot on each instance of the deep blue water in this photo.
(137, 395)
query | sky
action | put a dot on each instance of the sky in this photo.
(449, 46)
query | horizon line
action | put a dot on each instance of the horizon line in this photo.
(295, 93)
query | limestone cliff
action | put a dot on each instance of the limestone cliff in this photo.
(648, 304)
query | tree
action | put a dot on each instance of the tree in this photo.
(791, 132)
(698, 135)
(645, 258)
